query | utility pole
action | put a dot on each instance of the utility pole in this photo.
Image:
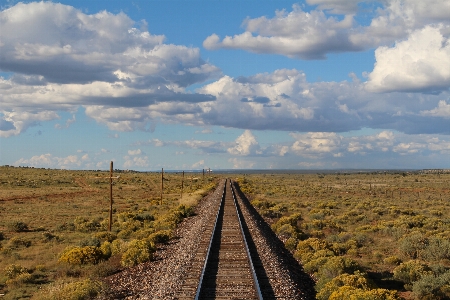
(110, 195)
(162, 184)
(182, 184)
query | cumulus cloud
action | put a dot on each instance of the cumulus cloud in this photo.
(419, 64)
(62, 58)
(245, 144)
(297, 34)
(321, 106)
(50, 161)
(134, 152)
(442, 110)
(336, 6)
(331, 28)
(135, 161)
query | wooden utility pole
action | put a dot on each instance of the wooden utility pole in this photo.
(162, 184)
(110, 195)
(182, 184)
(203, 179)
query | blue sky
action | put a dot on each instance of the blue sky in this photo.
(313, 84)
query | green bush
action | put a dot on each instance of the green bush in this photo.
(82, 255)
(106, 249)
(351, 293)
(437, 249)
(357, 280)
(432, 287)
(77, 290)
(160, 237)
(291, 243)
(118, 247)
(334, 267)
(106, 236)
(413, 245)
(138, 251)
(392, 260)
(86, 225)
(411, 271)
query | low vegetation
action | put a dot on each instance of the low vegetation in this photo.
(54, 238)
(374, 235)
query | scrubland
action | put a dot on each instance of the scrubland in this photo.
(375, 235)
(54, 238)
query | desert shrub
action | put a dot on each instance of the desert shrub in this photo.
(162, 236)
(411, 271)
(77, 290)
(291, 243)
(313, 244)
(106, 236)
(351, 293)
(18, 226)
(13, 270)
(262, 204)
(2, 236)
(432, 287)
(392, 260)
(413, 245)
(118, 247)
(124, 234)
(333, 267)
(85, 225)
(90, 241)
(144, 217)
(437, 249)
(107, 267)
(18, 242)
(357, 280)
(20, 279)
(66, 227)
(138, 251)
(48, 236)
(82, 255)
(106, 249)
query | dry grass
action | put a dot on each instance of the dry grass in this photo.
(50, 201)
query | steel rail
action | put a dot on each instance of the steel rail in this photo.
(255, 277)
(215, 231)
(197, 294)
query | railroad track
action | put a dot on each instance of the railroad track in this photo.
(228, 271)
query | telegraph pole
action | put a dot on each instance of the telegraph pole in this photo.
(110, 195)
(162, 184)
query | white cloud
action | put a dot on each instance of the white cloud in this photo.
(336, 6)
(50, 161)
(15, 122)
(316, 143)
(420, 63)
(284, 100)
(241, 163)
(398, 18)
(442, 110)
(107, 64)
(297, 34)
(199, 164)
(135, 161)
(68, 123)
(134, 152)
(246, 144)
